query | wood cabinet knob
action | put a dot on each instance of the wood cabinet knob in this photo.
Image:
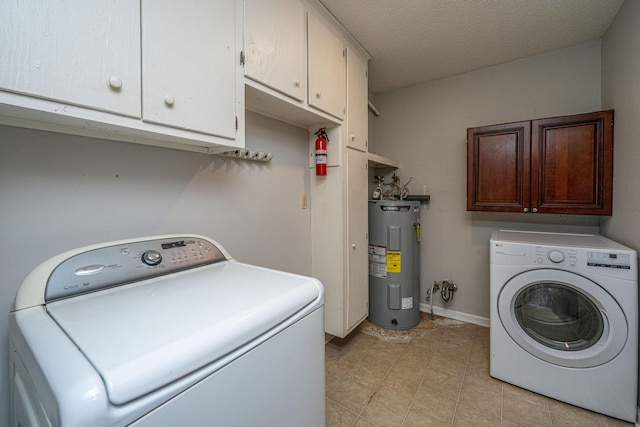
(115, 83)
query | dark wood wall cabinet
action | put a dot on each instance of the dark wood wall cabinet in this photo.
(559, 165)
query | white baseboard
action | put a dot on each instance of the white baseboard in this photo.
(456, 315)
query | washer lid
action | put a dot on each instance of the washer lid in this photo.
(142, 336)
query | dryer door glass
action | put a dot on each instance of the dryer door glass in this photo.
(558, 316)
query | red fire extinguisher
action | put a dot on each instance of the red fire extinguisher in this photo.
(321, 152)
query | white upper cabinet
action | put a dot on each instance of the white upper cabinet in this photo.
(275, 45)
(357, 102)
(85, 53)
(327, 69)
(188, 65)
(161, 72)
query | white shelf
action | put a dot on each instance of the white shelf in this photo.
(268, 102)
(382, 162)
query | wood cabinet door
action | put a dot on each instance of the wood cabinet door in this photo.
(189, 59)
(357, 102)
(572, 164)
(85, 53)
(498, 167)
(276, 45)
(357, 232)
(327, 69)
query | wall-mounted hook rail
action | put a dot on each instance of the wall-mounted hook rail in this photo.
(259, 156)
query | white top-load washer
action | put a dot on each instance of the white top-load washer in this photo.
(165, 331)
(564, 318)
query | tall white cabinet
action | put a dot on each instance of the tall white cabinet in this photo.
(339, 238)
(357, 292)
(331, 91)
(339, 213)
(356, 138)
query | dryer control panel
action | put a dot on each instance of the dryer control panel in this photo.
(128, 262)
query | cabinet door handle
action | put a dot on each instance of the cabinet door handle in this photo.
(353, 137)
(115, 83)
(318, 94)
(526, 209)
(534, 210)
(296, 83)
(168, 99)
(353, 246)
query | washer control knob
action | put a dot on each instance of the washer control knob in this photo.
(555, 256)
(151, 257)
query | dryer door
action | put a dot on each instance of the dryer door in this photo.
(562, 318)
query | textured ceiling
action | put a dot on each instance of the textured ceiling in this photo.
(414, 41)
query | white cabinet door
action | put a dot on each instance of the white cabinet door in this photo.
(85, 53)
(327, 245)
(188, 65)
(357, 102)
(357, 230)
(327, 69)
(275, 45)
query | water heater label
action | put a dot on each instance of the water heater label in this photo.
(407, 303)
(393, 261)
(378, 261)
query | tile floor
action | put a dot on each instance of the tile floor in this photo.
(436, 374)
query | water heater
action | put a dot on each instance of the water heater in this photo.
(394, 263)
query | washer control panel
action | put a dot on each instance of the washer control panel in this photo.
(128, 262)
(569, 257)
(609, 260)
(546, 255)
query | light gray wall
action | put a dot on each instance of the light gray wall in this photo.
(424, 127)
(59, 192)
(621, 91)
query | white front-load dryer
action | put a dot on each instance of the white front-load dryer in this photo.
(564, 318)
